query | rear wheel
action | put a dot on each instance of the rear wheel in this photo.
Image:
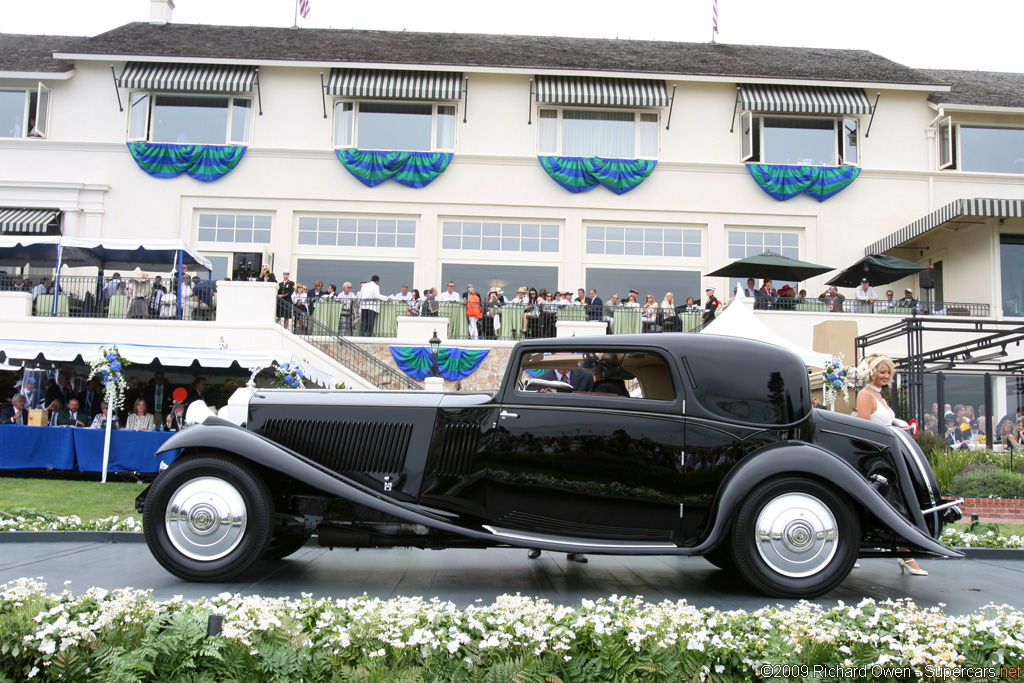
(795, 538)
(208, 518)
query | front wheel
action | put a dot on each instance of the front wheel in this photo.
(795, 538)
(208, 518)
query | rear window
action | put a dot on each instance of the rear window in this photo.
(760, 387)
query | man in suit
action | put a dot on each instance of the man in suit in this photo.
(16, 413)
(72, 416)
(158, 397)
(196, 392)
(580, 380)
(60, 391)
(91, 399)
(596, 306)
(33, 397)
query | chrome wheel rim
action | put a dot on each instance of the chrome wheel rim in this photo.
(797, 535)
(205, 518)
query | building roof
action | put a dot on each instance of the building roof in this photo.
(34, 54)
(979, 88)
(268, 44)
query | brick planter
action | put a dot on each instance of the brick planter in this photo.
(997, 510)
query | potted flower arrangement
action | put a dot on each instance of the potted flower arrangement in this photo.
(837, 380)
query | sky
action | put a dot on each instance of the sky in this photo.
(930, 34)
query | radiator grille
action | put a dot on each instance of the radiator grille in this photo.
(370, 447)
(527, 521)
(459, 445)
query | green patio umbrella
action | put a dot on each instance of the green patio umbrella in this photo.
(879, 269)
(772, 266)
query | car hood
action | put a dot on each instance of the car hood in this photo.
(384, 399)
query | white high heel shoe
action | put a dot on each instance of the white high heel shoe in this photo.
(905, 566)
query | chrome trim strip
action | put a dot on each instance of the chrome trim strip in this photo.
(560, 540)
(952, 503)
(921, 467)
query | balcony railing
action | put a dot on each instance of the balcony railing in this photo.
(882, 307)
(127, 297)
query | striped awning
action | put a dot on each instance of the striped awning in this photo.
(26, 220)
(798, 99)
(398, 85)
(188, 77)
(627, 92)
(950, 213)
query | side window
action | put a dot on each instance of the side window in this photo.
(599, 374)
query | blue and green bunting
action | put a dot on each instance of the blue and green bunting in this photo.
(202, 162)
(412, 169)
(580, 174)
(786, 182)
(454, 363)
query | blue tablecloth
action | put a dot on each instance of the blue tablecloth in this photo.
(129, 451)
(63, 447)
(28, 447)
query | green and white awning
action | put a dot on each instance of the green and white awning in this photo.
(626, 92)
(798, 99)
(26, 220)
(395, 85)
(188, 77)
(959, 211)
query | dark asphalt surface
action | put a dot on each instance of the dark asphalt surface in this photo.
(464, 576)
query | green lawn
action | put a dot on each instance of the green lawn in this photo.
(87, 499)
(1004, 529)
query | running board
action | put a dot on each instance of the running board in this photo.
(525, 538)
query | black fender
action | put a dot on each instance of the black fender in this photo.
(801, 459)
(219, 434)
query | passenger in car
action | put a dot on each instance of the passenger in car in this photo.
(609, 376)
(580, 380)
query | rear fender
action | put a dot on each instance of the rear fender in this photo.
(805, 460)
(221, 435)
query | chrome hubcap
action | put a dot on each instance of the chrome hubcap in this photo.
(205, 518)
(797, 535)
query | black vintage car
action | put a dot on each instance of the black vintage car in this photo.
(658, 445)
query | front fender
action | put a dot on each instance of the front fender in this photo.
(218, 434)
(805, 460)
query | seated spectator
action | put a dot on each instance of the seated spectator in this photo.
(33, 397)
(609, 312)
(72, 416)
(801, 296)
(176, 418)
(16, 413)
(100, 419)
(786, 300)
(649, 314)
(767, 296)
(888, 302)
(155, 297)
(139, 419)
(866, 296)
(492, 314)
(952, 434)
(669, 315)
(832, 299)
(750, 291)
(908, 301)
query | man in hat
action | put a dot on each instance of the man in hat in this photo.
(521, 295)
(908, 301)
(33, 396)
(285, 289)
(866, 296)
(710, 307)
(176, 418)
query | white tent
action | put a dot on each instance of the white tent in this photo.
(738, 320)
(170, 356)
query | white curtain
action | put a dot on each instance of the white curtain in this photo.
(598, 134)
(445, 127)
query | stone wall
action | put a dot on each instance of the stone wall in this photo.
(486, 378)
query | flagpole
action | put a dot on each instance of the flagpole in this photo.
(296, 24)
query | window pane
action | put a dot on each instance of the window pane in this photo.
(12, 113)
(138, 121)
(549, 231)
(675, 250)
(674, 235)
(595, 247)
(531, 244)
(241, 115)
(262, 222)
(448, 228)
(445, 127)
(736, 252)
(243, 235)
(530, 230)
(346, 239)
(736, 238)
(391, 126)
(491, 244)
(366, 240)
(225, 221)
(328, 225)
(691, 250)
(207, 235)
(598, 133)
(261, 237)
(613, 248)
(386, 227)
(406, 241)
(307, 238)
(691, 236)
(755, 239)
(243, 221)
(634, 249)
(407, 227)
(548, 131)
(307, 224)
(343, 124)
(772, 239)
(993, 150)
(653, 249)
(653, 235)
(799, 141)
(451, 242)
(226, 235)
(634, 234)
(346, 225)
(850, 139)
(595, 233)
(510, 244)
(209, 220)
(470, 228)
(190, 119)
(648, 136)
(790, 239)
(385, 240)
(472, 242)
(549, 246)
(491, 229)
(327, 239)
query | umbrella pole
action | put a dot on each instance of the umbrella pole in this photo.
(180, 275)
(56, 283)
(106, 436)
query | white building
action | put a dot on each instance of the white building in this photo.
(280, 109)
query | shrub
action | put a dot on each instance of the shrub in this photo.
(946, 464)
(930, 441)
(984, 481)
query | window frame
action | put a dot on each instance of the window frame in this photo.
(217, 213)
(637, 113)
(750, 118)
(944, 138)
(434, 120)
(956, 142)
(42, 94)
(136, 96)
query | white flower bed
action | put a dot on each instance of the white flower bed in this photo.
(104, 633)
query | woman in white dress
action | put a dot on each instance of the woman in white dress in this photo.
(877, 371)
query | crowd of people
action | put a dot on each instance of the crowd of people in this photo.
(962, 427)
(152, 405)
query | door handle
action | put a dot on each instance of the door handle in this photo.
(505, 414)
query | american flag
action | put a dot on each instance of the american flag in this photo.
(714, 15)
(304, 8)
